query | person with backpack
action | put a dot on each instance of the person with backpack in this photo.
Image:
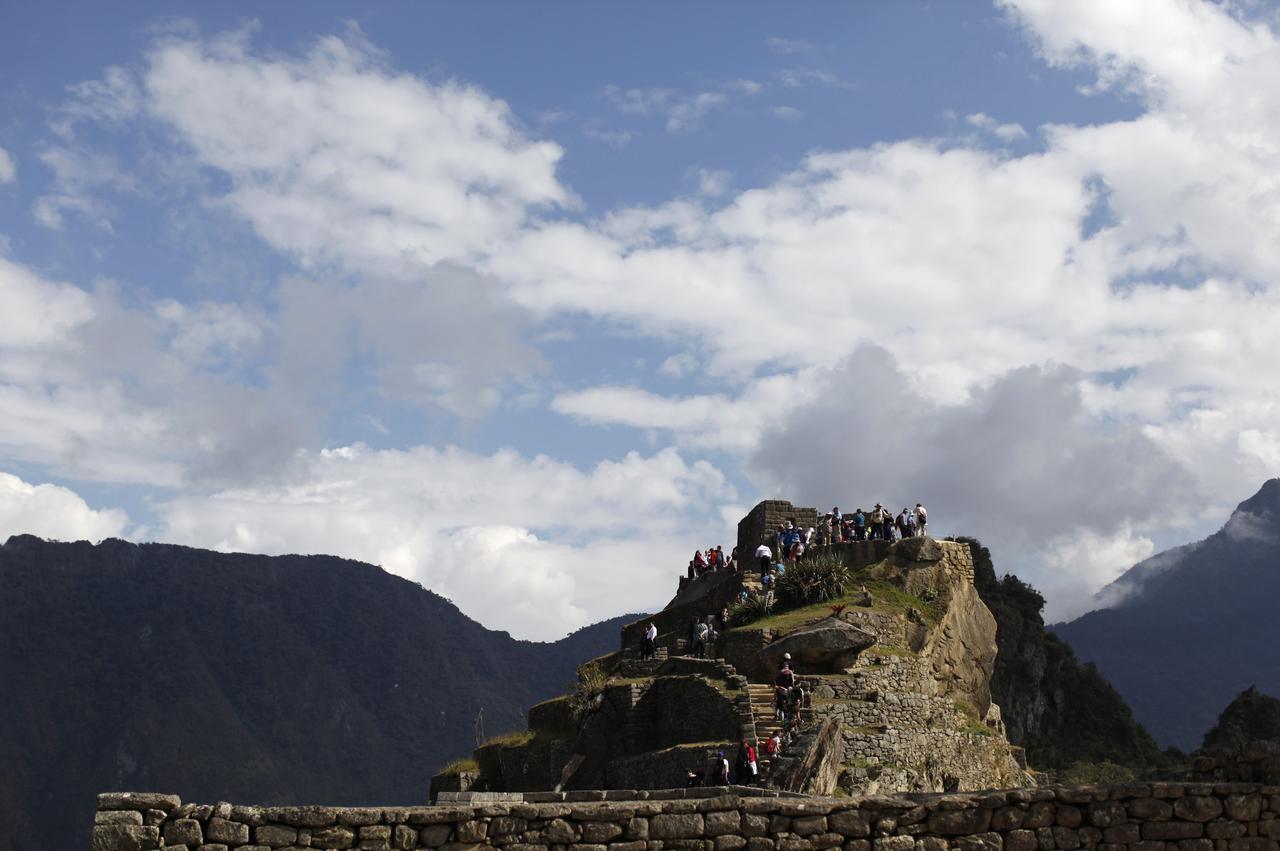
(859, 525)
(922, 517)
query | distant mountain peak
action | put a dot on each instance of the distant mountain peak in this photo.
(1266, 502)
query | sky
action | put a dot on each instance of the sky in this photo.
(525, 302)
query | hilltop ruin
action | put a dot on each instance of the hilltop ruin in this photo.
(897, 686)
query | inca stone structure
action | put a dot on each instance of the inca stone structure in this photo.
(1134, 817)
(898, 690)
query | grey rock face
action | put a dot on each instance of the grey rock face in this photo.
(828, 646)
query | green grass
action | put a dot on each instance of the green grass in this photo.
(453, 769)
(888, 599)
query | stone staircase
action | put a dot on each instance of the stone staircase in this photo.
(766, 723)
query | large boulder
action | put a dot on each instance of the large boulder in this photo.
(828, 646)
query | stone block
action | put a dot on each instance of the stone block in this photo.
(1007, 818)
(826, 840)
(628, 846)
(637, 828)
(1122, 834)
(677, 826)
(600, 831)
(760, 843)
(850, 823)
(1224, 829)
(1195, 845)
(186, 831)
(337, 836)
(118, 817)
(1090, 835)
(155, 817)
(431, 836)
(140, 801)
(809, 825)
(894, 843)
(754, 825)
(309, 816)
(1150, 809)
(523, 846)
(504, 825)
(959, 822)
(1040, 814)
(125, 837)
(726, 842)
(1069, 816)
(403, 837)
(1066, 838)
(585, 846)
(1172, 830)
(560, 832)
(1149, 845)
(779, 824)
(1044, 838)
(1197, 808)
(931, 843)
(212, 847)
(794, 844)
(252, 816)
(722, 823)
(979, 842)
(466, 831)
(227, 832)
(1243, 807)
(1107, 813)
(857, 845)
(275, 835)
(1021, 840)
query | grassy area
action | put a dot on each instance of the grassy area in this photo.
(888, 598)
(513, 739)
(458, 766)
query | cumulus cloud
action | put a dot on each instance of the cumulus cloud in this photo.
(335, 158)
(51, 511)
(535, 546)
(8, 170)
(1020, 464)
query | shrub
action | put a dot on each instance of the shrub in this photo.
(1090, 773)
(813, 580)
(748, 610)
(458, 766)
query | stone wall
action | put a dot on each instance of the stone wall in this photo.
(761, 525)
(1133, 817)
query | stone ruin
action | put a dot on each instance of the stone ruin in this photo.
(897, 700)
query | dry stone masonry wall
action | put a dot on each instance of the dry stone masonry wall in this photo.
(1133, 817)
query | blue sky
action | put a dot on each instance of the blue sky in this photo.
(525, 302)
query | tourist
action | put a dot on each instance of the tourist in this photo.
(721, 769)
(751, 764)
(649, 648)
(774, 745)
(720, 558)
(699, 562)
(922, 517)
(911, 523)
(764, 557)
(692, 778)
(901, 523)
(786, 677)
(742, 763)
(859, 526)
(723, 623)
(779, 702)
(700, 631)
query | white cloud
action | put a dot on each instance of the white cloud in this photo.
(335, 158)
(1080, 562)
(8, 171)
(535, 546)
(1004, 132)
(51, 511)
(786, 113)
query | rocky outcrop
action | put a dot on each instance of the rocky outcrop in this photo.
(828, 646)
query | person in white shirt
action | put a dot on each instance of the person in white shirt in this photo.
(764, 556)
(922, 517)
(649, 648)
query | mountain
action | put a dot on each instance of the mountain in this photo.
(1062, 712)
(1193, 626)
(288, 679)
(1250, 717)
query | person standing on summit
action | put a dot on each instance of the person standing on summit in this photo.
(922, 517)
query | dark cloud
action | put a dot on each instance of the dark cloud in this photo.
(1019, 463)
